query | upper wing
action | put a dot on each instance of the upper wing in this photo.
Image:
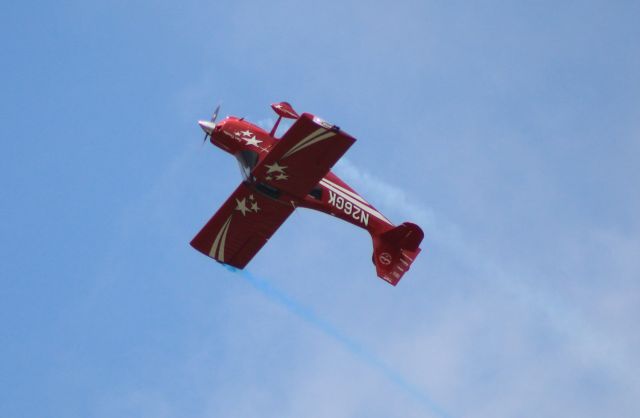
(303, 156)
(240, 228)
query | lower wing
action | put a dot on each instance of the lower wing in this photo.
(241, 227)
(303, 156)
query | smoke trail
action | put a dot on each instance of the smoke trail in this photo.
(355, 348)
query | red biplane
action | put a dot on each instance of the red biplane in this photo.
(283, 174)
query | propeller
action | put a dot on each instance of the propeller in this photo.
(209, 125)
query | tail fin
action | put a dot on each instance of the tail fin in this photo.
(395, 250)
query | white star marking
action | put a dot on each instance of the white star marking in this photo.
(242, 206)
(254, 207)
(246, 133)
(275, 168)
(253, 141)
(282, 177)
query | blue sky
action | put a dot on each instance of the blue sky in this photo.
(508, 130)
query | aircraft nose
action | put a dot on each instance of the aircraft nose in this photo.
(207, 126)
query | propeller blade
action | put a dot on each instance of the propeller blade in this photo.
(209, 126)
(215, 114)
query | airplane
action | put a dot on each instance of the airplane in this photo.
(282, 174)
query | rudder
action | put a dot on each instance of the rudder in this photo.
(395, 250)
